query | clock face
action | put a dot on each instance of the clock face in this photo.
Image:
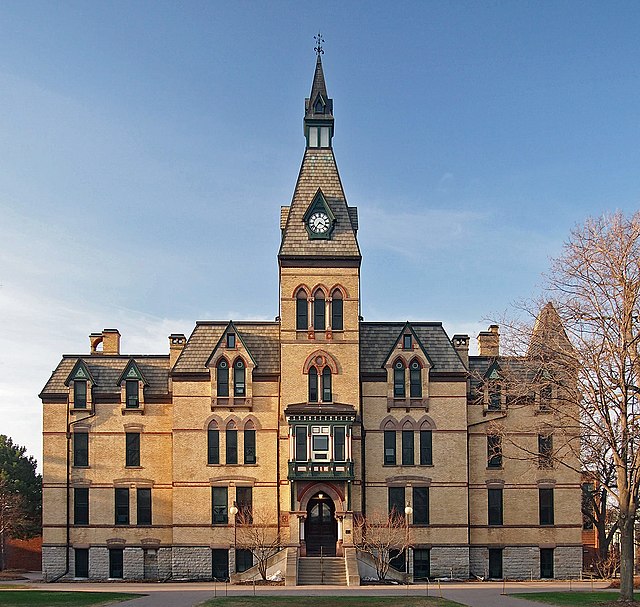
(319, 222)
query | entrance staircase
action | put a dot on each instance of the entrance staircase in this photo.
(328, 571)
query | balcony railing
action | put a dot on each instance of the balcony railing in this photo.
(321, 470)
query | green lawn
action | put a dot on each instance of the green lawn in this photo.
(329, 601)
(48, 598)
(569, 598)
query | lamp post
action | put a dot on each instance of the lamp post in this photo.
(234, 512)
(408, 511)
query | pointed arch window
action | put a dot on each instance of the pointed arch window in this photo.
(222, 372)
(239, 374)
(398, 379)
(318, 311)
(213, 443)
(249, 443)
(231, 447)
(337, 322)
(326, 385)
(302, 311)
(313, 385)
(415, 380)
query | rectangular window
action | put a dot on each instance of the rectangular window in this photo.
(326, 385)
(231, 450)
(397, 559)
(244, 503)
(231, 340)
(313, 137)
(396, 501)
(406, 342)
(415, 381)
(222, 371)
(321, 443)
(421, 505)
(116, 569)
(249, 446)
(390, 447)
(545, 500)
(398, 380)
(494, 451)
(421, 563)
(495, 397)
(80, 394)
(220, 564)
(81, 558)
(494, 499)
(546, 394)
(407, 448)
(244, 559)
(122, 506)
(339, 443)
(301, 444)
(426, 449)
(324, 137)
(81, 506)
(546, 563)
(131, 389)
(133, 448)
(219, 501)
(545, 451)
(495, 563)
(213, 446)
(336, 314)
(144, 507)
(318, 314)
(80, 448)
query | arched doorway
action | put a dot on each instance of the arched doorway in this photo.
(321, 526)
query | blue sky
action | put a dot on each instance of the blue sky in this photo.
(146, 148)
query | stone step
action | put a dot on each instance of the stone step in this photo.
(317, 571)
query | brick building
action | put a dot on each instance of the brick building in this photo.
(312, 419)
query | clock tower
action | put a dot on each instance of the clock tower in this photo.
(319, 261)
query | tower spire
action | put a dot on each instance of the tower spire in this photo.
(318, 107)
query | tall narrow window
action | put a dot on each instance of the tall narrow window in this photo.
(495, 396)
(495, 563)
(249, 444)
(337, 322)
(494, 451)
(407, 448)
(81, 562)
(131, 389)
(301, 443)
(231, 448)
(407, 342)
(222, 372)
(546, 563)
(132, 457)
(421, 563)
(313, 385)
(144, 507)
(421, 505)
(81, 506)
(398, 380)
(122, 506)
(390, 447)
(244, 503)
(116, 568)
(79, 394)
(318, 311)
(426, 448)
(219, 501)
(545, 451)
(546, 394)
(339, 441)
(415, 380)
(244, 559)
(302, 311)
(80, 448)
(494, 501)
(396, 501)
(231, 340)
(545, 500)
(213, 444)
(239, 388)
(326, 385)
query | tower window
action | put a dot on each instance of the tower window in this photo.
(337, 321)
(319, 107)
(318, 311)
(302, 311)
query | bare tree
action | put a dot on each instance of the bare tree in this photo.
(13, 515)
(257, 532)
(380, 536)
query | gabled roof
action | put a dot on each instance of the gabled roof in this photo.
(132, 371)
(378, 338)
(80, 371)
(407, 328)
(231, 328)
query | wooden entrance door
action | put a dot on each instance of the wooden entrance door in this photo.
(321, 527)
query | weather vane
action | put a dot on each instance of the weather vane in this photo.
(319, 42)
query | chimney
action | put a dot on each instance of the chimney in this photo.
(461, 346)
(489, 342)
(176, 345)
(95, 341)
(110, 341)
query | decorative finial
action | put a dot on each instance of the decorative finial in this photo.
(319, 42)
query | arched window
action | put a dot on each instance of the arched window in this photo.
(415, 379)
(389, 444)
(318, 311)
(326, 385)
(313, 385)
(249, 443)
(222, 372)
(302, 311)
(398, 380)
(337, 322)
(239, 388)
(213, 443)
(407, 445)
(231, 447)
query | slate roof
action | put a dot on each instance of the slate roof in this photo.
(512, 369)
(107, 369)
(319, 171)
(260, 338)
(318, 87)
(378, 338)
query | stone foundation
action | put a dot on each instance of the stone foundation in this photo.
(192, 563)
(567, 562)
(450, 561)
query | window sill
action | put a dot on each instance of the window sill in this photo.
(134, 467)
(408, 403)
(494, 468)
(231, 402)
(80, 467)
(132, 410)
(542, 412)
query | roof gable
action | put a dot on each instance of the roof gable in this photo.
(80, 372)
(407, 328)
(132, 371)
(231, 328)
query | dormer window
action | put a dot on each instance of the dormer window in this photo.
(239, 386)
(132, 398)
(415, 379)
(222, 372)
(398, 380)
(318, 108)
(231, 340)
(80, 394)
(407, 342)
